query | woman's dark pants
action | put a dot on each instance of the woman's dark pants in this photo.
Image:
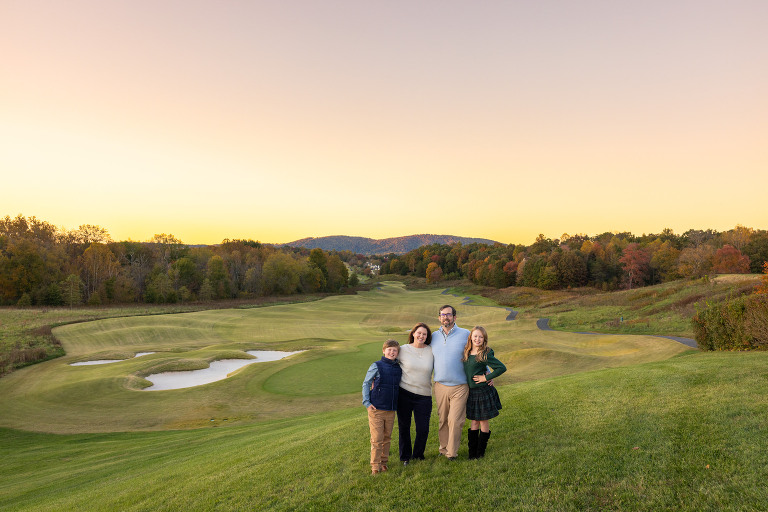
(421, 407)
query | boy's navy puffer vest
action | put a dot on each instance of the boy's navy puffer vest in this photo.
(386, 386)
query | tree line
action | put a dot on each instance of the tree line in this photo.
(608, 261)
(41, 264)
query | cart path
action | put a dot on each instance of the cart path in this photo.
(467, 301)
(543, 324)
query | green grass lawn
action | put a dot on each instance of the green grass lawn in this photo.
(340, 337)
(25, 333)
(664, 309)
(590, 422)
(688, 433)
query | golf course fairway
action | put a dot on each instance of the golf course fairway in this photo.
(340, 337)
(589, 422)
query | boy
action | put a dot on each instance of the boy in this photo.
(380, 390)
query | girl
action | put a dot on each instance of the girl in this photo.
(483, 403)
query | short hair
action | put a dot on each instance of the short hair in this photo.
(429, 333)
(453, 310)
(391, 343)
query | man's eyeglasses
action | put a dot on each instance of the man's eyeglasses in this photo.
(445, 314)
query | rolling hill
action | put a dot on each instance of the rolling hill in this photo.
(367, 246)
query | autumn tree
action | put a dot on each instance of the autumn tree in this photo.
(318, 260)
(572, 269)
(729, 260)
(312, 279)
(166, 248)
(738, 237)
(32, 260)
(510, 269)
(72, 290)
(762, 288)
(22, 269)
(185, 274)
(87, 234)
(496, 275)
(206, 291)
(98, 264)
(603, 266)
(217, 277)
(434, 273)
(635, 261)
(338, 275)
(696, 261)
(235, 263)
(757, 250)
(548, 278)
(281, 274)
(138, 258)
(542, 245)
(664, 261)
(531, 271)
(160, 289)
(396, 266)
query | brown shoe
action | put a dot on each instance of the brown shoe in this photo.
(384, 468)
(374, 471)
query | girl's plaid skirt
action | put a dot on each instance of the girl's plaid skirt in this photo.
(483, 403)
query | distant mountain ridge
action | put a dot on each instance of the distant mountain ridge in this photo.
(367, 246)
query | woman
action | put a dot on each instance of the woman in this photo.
(415, 396)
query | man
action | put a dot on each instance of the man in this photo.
(451, 389)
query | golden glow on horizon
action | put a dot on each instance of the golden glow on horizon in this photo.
(281, 121)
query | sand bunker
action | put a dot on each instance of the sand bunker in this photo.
(107, 361)
(218, 370)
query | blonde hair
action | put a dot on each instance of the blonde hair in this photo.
(482, 352)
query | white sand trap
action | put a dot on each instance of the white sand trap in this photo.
(107, 361)
(218, 370)
(98, 361)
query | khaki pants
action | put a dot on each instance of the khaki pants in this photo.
(381, 424)
(452, 412)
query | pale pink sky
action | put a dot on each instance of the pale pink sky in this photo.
(280, 120)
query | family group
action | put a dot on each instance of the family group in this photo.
(400, 385)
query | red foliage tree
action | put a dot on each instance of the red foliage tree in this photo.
(636, 262)
(730, 260)
(434, 273)
(763, 286)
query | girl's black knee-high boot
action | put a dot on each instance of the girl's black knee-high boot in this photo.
(482, 443)
(472, 439)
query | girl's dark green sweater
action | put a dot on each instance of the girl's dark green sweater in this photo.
(474, 367)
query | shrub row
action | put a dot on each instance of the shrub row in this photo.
(735, 324)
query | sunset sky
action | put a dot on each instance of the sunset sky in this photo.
(278, 120)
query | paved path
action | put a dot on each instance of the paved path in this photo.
(511, 316)
(543, 324)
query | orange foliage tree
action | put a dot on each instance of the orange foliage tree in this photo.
(730, 260)
(434, 273)
(763, 286)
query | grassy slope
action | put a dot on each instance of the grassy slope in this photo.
(644, 425)
(341, 336)
(664, 309)
(683, 434)
(25, 334)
